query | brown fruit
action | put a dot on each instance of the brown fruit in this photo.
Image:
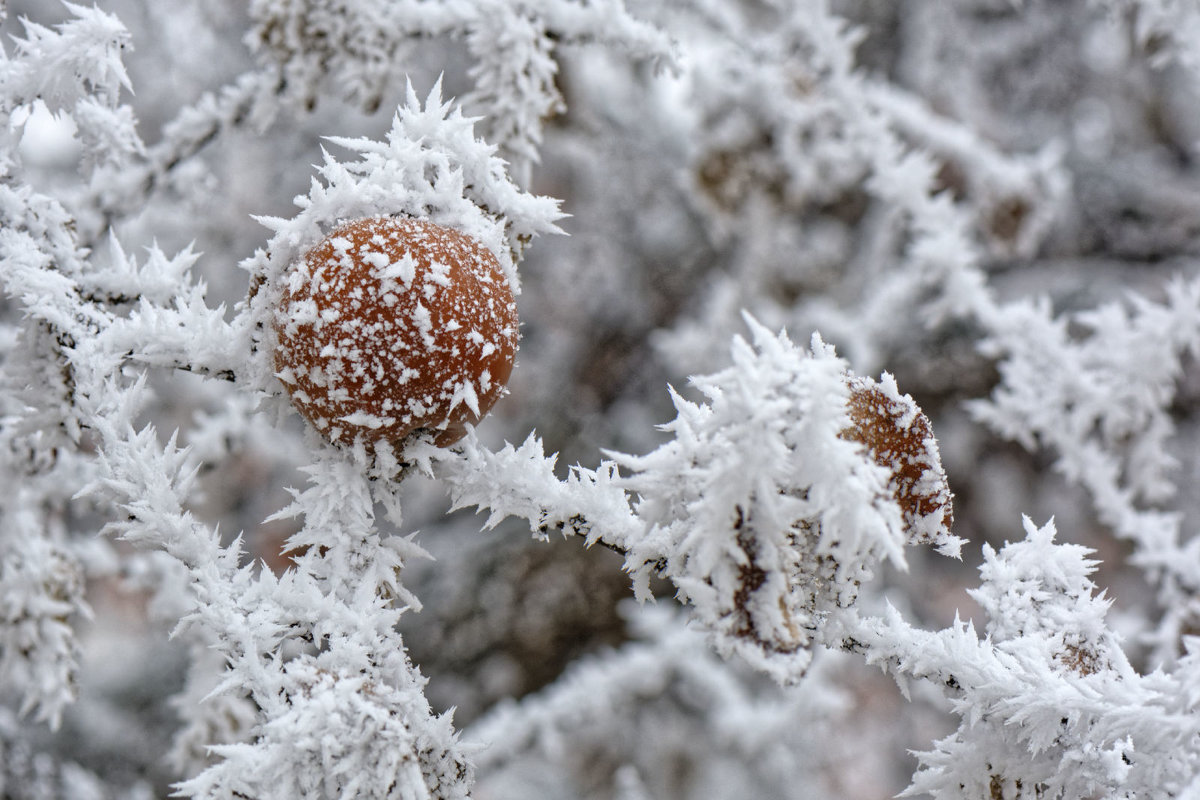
(900, 438)
(392, 325)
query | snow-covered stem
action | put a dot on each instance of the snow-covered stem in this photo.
(118, 192)
(763, 510)
(650, 682)
(1045, 703)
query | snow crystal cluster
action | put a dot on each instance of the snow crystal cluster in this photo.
(946, 549)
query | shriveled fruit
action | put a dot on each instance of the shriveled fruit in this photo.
(900, 438)
(392, 325)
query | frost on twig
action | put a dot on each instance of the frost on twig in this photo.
(1164, 29)
(106, 350)
(1049, 705)
(1096, 388)
(77, 67)
(637, 706)
(41, 596)
(358, 50)
(79, 59)
(42, 578)
(820, 183)
(338, 607)
(119, 191)
(769, 507)
(763, 516)
(25, 772)
(514, 46)
(387, 739)
(431, 165)
(104, 330)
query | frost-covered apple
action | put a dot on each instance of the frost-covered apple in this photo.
(392, 325)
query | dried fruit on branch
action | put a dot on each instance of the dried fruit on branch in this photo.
(900, 439)
(392, 325)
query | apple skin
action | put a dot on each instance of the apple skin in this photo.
(392, 325)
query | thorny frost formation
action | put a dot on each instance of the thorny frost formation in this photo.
(905, 180)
